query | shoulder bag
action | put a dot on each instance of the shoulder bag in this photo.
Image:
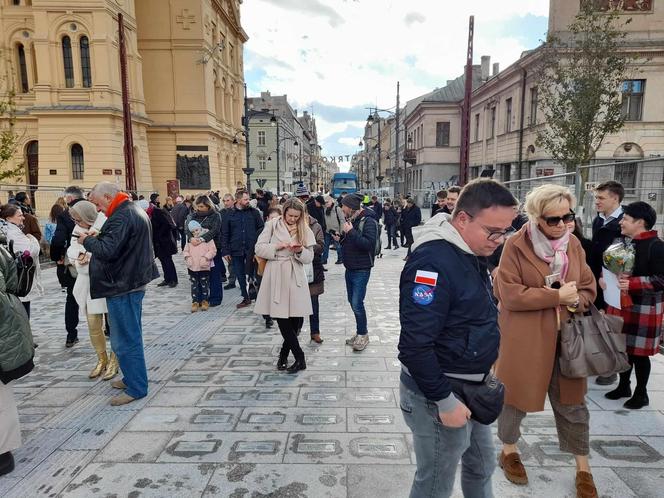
(261, 263)
(592, 344)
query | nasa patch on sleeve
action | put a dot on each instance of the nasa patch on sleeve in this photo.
(423, 295)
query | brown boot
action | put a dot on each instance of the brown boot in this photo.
(205, 306)
(122, 399)
(585, 486)
(194, 307)
(514, 470)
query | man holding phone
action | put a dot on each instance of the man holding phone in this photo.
(334, 218)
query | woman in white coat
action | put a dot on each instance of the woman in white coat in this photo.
(87, 219)
(11, 223)
(287, 245)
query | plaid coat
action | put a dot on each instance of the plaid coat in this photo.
(643, 320)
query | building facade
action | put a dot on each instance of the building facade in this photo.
(62, 60)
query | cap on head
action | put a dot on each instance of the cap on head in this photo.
(194, 225)
(352, 201)
(302, 191)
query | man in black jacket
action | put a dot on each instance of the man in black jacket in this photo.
(439, 205)
(359, 244)
(411, 217)
(65, 269)
(606, 229)
(179, 215)
(120, 269)
(239, 231)
(450, 335)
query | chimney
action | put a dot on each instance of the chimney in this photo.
(496, 68)
(486, 63)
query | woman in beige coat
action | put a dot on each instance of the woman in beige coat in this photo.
(530, 315)
(287, 245)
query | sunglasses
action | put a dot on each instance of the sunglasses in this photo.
(553, 221)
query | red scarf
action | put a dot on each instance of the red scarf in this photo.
(119, 198)
(651, 234)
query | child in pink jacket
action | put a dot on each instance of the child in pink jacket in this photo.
(199, 261)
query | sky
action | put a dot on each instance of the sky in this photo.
(336, 58)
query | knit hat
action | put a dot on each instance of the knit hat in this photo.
(86, 211)
(302, 191)
(353, 201)
(194, 225)
(154, 197)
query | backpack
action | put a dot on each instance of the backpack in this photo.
(25, 271)
(378, 247)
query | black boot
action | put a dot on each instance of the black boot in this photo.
(638, 401)
(622, 391)
(269, 323)
(282, 362)
(297, 366)
(6, 463)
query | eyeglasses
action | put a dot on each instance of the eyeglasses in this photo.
(553, 221)
(495, 235)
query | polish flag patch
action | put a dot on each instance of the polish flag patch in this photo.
(426, 278)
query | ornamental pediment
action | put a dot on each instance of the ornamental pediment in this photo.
(625, 5)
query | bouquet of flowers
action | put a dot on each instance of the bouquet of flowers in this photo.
(619, 259)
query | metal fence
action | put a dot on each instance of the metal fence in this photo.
(643, 181)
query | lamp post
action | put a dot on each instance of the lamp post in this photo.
(248, 170)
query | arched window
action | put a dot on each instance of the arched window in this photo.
(85, 61)
(68, 62)
(23, 69)
(77, 162)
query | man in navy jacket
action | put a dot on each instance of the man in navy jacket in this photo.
(449, 329)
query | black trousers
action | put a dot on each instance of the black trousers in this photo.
(183, 237)
(26, 305)
(288, 328)
(71, 314)
(167, 265)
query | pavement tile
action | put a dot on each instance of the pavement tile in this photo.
(262, 419)
(184, 419)
(135, 447)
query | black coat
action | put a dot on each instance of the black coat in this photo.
(179, 215)
(163, 233)
(318, 213)
(390, 216)
(359, 245)
(603, 237)
(378, 210)
(62, 235)
(123, 256)
(411, 217)
(211, 221)
(239, 231)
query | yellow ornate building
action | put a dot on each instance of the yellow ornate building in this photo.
(185, 85)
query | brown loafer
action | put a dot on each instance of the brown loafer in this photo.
(514, 470)
(585, 485)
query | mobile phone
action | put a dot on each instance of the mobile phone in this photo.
(552, 279)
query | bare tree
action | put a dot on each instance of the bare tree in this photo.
(581, 79)
(9, 139)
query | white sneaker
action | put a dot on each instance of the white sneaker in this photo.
(351, 340)
(361, 342)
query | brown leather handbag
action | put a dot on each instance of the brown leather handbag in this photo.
(592, 344)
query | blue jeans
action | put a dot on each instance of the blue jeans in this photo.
(356, 288)
(216, 286)
(438, 450)
(326, 250)
(124, 313)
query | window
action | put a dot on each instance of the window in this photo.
(505, 172)
(261, 138)
(626, 174)
(16, 2)
(477, 127)
(262, 164)
(77, 164)
(534, 95)
(492, 125)
(508, 115)
(68, 62)
(443, 134)
(23, 69)
(632, 99)
(474, 172)
(85, 62)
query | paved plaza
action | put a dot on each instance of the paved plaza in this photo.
(220, 420)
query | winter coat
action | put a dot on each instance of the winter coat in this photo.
(410, 217)
(123, 259)
(377, 209)
(199, 258)
(318, 213)
(81, 291)
(529, 333)
(240, 230)
(163, 233)
(643, 320)
(16, 344)
(22, 243)
(284, 291)
(317, 287)
(334, 220)
(179, 214)
(359, 246)
(390, 216)
(64, 228)
(211, 221)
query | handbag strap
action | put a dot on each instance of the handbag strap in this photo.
(602, 326)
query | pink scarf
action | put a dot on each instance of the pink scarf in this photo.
(553, 252)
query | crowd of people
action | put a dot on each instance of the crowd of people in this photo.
(486, 286)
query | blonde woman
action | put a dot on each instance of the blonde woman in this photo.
(87, 219)
(531, 310)
(287, 244)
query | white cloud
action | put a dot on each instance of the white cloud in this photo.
(351, 53)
